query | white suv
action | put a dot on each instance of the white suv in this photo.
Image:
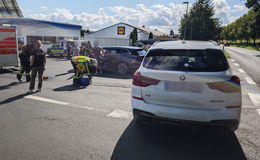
(187, 81)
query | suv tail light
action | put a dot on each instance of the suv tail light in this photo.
(235, 79)
(229, 86)
(142, 81)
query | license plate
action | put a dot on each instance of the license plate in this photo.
(194, 87)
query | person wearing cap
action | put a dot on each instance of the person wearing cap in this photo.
(38, 62)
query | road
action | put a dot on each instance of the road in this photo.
(62, 122)
(248, 59)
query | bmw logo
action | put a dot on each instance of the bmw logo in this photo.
(182, 77)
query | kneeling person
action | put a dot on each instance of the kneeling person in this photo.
(83, 66)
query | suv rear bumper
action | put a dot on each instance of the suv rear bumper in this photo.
(232, 124)
(220, 117)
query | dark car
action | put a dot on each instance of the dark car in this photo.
(122, 60)
(227, 44)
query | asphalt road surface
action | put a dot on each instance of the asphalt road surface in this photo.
(249, 61)
(95, 123)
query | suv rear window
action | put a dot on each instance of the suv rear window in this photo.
(209, 60)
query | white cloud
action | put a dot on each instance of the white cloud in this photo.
(159, 16)
(233, 19)
(238, 8)
(224, 11)
(43, 7)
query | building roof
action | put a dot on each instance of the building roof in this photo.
(146, 30)
(186, 45)
(29, 21)
(10, 8)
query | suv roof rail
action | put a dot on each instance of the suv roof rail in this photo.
(155, 42)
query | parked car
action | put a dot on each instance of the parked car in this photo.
(56, 49)
(188, 82)
(122, 60)
(227, 44)
(46, 45)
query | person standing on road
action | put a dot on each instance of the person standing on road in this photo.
(83, 51)
(65, 48)
(97, 54)
(38, 62)
(68, 46)
(24, 56)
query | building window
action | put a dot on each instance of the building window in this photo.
(32, 39)
(61, 38)
(49, 40)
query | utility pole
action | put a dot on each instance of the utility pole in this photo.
(191, 29)
(186, 19)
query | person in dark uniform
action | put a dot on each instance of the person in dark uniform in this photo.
(24, 57)
(38, 62)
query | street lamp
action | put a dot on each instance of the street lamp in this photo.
(186, 20)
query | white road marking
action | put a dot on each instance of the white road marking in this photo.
(255, 98)
(46, 100)
(258, 111)
(79, 106)
(241, 70)
(249, 80)
(117, 113)
(65, 103)
(232, 60)
(236, 64)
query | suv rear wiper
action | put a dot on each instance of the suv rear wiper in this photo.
(186, 66)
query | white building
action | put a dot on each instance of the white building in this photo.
(48, 32)
(119, 34)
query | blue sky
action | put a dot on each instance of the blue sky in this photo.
(162, 15)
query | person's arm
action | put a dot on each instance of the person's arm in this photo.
(44, 59)
(32, 60)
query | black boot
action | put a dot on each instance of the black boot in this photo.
(19, 77)
(28, 78)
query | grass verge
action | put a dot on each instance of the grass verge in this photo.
(226, 54)
(250, 47)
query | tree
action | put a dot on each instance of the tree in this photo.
(83, 31)
(171, 33)
(255, 6)
(201, 23)
(252, 3)
(87, 31)
(134, 36)
(151, 35)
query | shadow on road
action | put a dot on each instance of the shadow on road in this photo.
(9, 70)
(15, 98)
(59, 58)
(168, 142)
(63, 74)
(258, 55)
(68, 88)
(8, 86)
(114, 75)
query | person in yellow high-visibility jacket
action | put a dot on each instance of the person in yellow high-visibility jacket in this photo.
(83, 65)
